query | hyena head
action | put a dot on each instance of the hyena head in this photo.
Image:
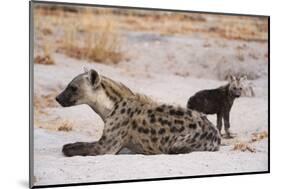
(236, 85)
(86, 89)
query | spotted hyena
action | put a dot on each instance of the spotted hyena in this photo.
(136, 122)
(218, 101)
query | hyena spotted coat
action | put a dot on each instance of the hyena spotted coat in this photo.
(136, 122)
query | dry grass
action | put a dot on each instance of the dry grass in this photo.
(43, 52)
(93, 33)
(41, 102)
(55, 125)
(244, 147)
(226, 68)
(45, 101)
(100, 46)
(247, 146)
(44, 55)
(46, 60)
(65, 126)
(242, 28)
(84, 35)
(259, 136)
(228, 27)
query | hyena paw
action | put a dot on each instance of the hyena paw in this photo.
(229, 135)
(76, 149)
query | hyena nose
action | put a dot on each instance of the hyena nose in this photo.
(57, 99)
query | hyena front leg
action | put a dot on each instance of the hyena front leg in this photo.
(80, 149)
(106, 145)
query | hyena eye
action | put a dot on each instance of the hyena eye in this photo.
(73, 88)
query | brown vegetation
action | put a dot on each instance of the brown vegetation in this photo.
(102, 46)
(84, 36)
(94, 33)
(259, 136)
(244, 147)
(55, 125)
(247, 146)
(44, 101)
(65, 126)
(47, 60)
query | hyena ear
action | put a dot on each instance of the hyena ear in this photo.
(94, 78)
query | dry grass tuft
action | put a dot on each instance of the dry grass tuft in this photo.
(55, 125)
(225, 68)
(100, 52)
(45, 101)
(182, 74)
(45, 54)
(47, 31)
(82, 34)
(259, 136)
(244, 146)
(46, 60)
(92, 34)
(65, 126)
(100, 42)
(41, 102)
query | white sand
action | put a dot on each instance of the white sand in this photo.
(169, 69)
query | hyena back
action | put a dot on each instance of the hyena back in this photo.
(136, 122)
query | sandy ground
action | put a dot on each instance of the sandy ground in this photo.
(168, 69)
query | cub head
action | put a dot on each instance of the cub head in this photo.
(236, 85)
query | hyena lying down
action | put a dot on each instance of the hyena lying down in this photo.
(218, 101)
(134, 122)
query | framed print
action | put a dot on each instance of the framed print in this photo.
(125, 94)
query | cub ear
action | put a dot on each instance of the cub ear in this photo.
(94, 78)
(86, 70)
(231, 78)
(243, 78)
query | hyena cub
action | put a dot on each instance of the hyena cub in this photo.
(134, 122)
(218, 101)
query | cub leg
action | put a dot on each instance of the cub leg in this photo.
(227, 125)
(219, 121)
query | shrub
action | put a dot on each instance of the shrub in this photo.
(102, 44)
